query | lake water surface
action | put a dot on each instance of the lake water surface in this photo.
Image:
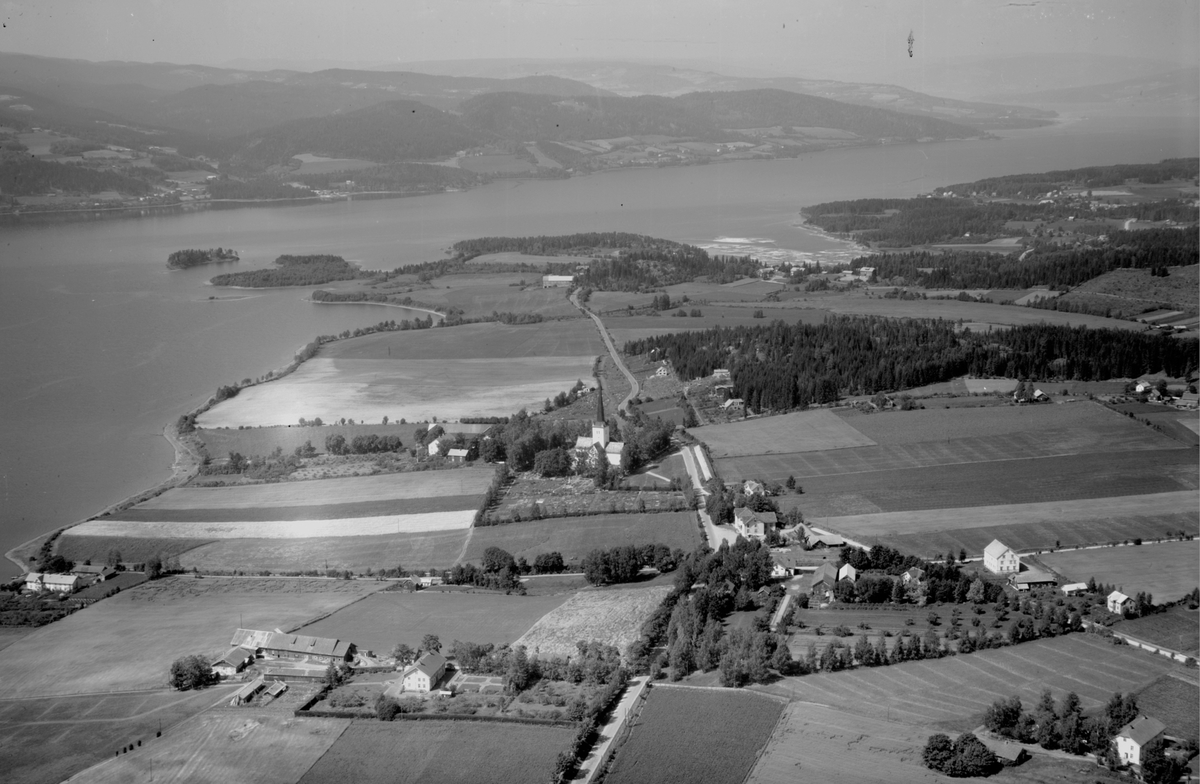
(100, 345)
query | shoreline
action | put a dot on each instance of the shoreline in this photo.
(368, 302)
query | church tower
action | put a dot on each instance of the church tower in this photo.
(599, 427)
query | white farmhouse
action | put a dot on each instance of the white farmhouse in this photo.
(1135, 736)
(60, 583)
(424, 674)
(1000, 559)
(1118, 602)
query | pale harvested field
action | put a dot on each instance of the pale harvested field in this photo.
(1023, 526)
(429, 550)
(128, 641)
(869, 750)
(984, 385)
(417, 390)
(1168, 570)
(249, 746)
(281, 529)
(384, 487)
(804, 431)
(612, 617)
(952, 693)
(525, 258)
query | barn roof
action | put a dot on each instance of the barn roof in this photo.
(291, 643)
(235, 657)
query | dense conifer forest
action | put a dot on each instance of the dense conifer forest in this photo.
(293, 271)
(783, 366)
(21, 175)
(1144, 249)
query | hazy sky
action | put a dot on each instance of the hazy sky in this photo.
(784, 36)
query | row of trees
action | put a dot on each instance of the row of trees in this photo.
(362, 445)
(621, 564)
(783, 366)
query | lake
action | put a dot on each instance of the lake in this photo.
(102, 346)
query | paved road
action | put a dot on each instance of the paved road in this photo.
(715, 533)
(634, 387)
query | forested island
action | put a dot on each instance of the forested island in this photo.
(784, 366)
(191, 257)
(292, 271)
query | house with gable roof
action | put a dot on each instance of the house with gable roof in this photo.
(1118, 602)
(1000, 559)
(1135, 736)
(752, 524)
(423, 674)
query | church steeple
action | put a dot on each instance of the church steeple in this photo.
(599, 426)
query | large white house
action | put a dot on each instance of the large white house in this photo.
(424, 673)
(588, 450)
(751, 524)
(1135, 736)
(1000, 559)
(60, 583)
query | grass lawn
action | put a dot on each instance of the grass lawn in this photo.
(428, 550)
(575, 537)
(804, 431)
(1178, 628)
(612, 616)
(695, 736)
(250, 746)
(952, 693)
(1166, 570)
(128, 641)
(1175, 702)
(43, 741)
(1024, 526)
(380, 621)
(440, 752)
(1017, 481)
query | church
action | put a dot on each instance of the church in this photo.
(588, 450)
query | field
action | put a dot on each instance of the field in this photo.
(883, 620)
(380, 621)
(1178, 629)
(428, 550)
(524, 258)
(612, 617)
(804, 431)
(495, 164)
(316, 164)
(626, 328)
(437, 752)
(869, 750)
(43, 741)
(952, 693)
(263, 440)
(1024, 526)
(96, 548)
(495, 371)
(283, 529)
(1168, 570)
(1031, 480)
(244, 745)
(1129, 292)
(1175, 702)
(483, 293)
(575, 537)
(128, 641)
(695, 736)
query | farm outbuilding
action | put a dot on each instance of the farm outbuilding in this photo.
(296, 647)
(247, 692)
(1032, 578)
(232, 662)
(1074, 589)
(557, 281)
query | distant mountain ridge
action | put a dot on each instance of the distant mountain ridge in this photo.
(1181, 87)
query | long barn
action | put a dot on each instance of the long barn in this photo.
(296, 647)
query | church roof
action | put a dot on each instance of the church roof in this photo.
(599, 403)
